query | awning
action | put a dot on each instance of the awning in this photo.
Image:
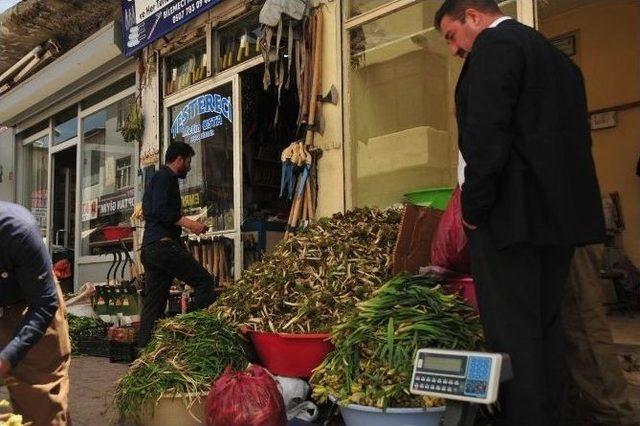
(63, 76)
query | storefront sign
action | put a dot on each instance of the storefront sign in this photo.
(195, 121)
(144, 21)
(119, 201)
(90, 210)
(39, 198)
(191, 200)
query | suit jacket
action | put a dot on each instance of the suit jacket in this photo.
(524, 133)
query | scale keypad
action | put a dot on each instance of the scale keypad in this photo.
(433, 383)
(478, 372)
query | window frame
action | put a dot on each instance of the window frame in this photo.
(229, 76)
(526, 13)
(82, 114)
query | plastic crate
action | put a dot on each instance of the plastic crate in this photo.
(92, 346)
(122, 352)
(92, 342)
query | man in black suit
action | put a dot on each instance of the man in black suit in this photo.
(530, 193)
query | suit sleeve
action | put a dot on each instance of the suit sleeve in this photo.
(494, 75)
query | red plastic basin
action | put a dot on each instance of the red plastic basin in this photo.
(466, 288)
(112, 233)
(290, 355)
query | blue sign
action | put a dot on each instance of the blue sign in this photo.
(198, 119)
(144, 21)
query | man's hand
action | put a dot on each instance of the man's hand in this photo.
(197, 227)
(192, 225)
(4, 368)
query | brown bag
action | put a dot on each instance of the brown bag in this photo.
(413, 246)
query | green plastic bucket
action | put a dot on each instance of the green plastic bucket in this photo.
(437, 198)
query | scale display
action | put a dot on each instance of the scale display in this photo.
(459, 375)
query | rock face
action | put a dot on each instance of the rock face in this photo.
(66, 22)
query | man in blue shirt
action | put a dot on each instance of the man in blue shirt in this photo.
(163, 257)
(34, 337)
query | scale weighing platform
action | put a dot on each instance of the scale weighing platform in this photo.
(463, 378)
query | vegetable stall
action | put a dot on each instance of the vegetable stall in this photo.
(331, 283)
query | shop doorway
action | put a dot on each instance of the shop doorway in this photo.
(63, 211)
(264, 138)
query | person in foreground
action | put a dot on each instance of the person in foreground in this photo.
(34, 336)
(530, 194)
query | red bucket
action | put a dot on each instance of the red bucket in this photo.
(290, 355)
(114, 233)
(466, 288)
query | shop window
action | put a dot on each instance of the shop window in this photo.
(238, 42)
(186, 67)
(37, 128)
(403, 129)
(65, 125)
(402, 81)
(101, 95)
(357, 7)
(36, 180)
(107, 191)
(206, 123)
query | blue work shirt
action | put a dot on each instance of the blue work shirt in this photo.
(162, 207)
(26, 276)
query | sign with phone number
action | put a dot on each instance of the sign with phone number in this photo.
(144, 21)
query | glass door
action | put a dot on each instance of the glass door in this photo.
(34, 194)
(63, 203)
(208, 121)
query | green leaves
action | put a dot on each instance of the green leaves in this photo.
(374, 347)
(186, 355)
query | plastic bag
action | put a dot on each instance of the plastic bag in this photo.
(245, 398)
(293, 390)
(449, 248)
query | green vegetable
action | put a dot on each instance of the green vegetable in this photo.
(313, 279)
(80, 327)
(133, 127)
(186, 354)
(375, 347)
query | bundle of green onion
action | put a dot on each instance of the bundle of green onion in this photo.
(186, 354)
(375, 347)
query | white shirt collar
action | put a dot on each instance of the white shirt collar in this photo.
(499, 20)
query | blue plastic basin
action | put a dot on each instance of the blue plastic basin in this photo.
(360, 415)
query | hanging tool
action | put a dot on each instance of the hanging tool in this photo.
(317, 70)
(113, 263)
(304, 161)
(287, 179)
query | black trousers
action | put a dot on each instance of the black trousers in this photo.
(163, 261)
(520, 291)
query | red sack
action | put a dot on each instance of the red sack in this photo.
(449, 248)
(245, 398)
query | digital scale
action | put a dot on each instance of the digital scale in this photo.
(464, 378)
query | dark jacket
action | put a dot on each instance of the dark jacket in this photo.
(524, 133)
(26, 277)
(162, 207)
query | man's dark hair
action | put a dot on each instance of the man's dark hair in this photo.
(455, 9)
(178, 149)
